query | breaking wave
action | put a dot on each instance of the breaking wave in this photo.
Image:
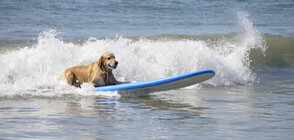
(35, 69)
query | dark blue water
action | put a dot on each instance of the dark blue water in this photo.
(250, 45)
(24, 20)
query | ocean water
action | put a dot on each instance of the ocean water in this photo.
(249, 44)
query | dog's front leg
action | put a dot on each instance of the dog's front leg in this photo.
(113, 81)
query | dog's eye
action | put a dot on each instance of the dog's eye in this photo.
(108, 58)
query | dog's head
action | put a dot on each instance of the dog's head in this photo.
(107, 61)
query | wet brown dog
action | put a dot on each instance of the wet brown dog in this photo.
(97, 74)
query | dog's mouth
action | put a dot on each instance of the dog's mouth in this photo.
(112, 67)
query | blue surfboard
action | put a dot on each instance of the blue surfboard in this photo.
(163, 84)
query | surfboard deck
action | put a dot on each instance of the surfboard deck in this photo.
(163, 84)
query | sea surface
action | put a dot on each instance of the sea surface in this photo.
(248, 43)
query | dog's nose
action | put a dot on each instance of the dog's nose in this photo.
(116, 63)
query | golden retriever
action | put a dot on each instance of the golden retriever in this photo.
(97, 74)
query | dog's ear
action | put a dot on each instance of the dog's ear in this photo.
(101, 64)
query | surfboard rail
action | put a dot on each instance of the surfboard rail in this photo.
(191, 79)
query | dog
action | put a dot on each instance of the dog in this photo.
(97, 74)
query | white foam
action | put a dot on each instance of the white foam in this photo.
(35, 70)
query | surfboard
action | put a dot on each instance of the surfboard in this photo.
(163, 84)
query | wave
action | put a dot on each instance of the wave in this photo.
(35, 70)
(279, 53)
(275, 50)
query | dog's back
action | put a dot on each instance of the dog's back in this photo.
(76, 75)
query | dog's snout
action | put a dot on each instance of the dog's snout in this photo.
(116, 63)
